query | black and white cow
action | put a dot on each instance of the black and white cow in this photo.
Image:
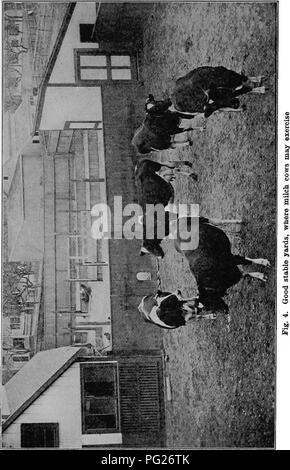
(207, 89)
(212, 263)
(170, 310)
(154, 188)
(159, 128)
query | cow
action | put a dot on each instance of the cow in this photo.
(170, 310)
(212, 263)
(159, 128)
(207, 89)
(154, 188)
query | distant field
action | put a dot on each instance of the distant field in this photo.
(223, 383)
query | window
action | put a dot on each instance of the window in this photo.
(99, 398)
(15, 323)
(18, 343)
(81, 337)
(39, 435)
(15, 43)
(86, 33)
(83, 125)
(21, 358)
(97, 66)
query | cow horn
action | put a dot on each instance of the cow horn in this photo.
(143, 251)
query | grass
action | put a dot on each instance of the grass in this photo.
(223, 382)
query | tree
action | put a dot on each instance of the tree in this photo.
(11, 103)
(15, 284)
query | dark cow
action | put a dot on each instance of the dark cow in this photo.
(170, 310)
(155, 190)
(159, 127)
(207, 89)
(213, 265)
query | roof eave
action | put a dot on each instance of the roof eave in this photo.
(51, 63)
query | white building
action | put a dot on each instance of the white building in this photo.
(68, 399)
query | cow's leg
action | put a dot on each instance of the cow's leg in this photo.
(256, 80)
(190, 174)
(179, 130)
(259, 90)
(232, 110)
(256, 275)
(224, 221)
(242, 90)
(177, 164)
(205, 316)
(260, 261)
(171, 207)
(185, 299)
(190, 127)
(168, 174)
(242, 260)
(209, 316)
(182, 114)
(187, 115)
(175, 145)
(253, 85)
(186, 140)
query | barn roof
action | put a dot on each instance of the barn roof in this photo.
(36, 376)
(51, 63)
(5, 410)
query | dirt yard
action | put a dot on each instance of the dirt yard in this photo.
(223, 380)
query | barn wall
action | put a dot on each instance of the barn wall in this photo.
(26, 234)
(123, 108)
(60, 403)
(66, 153)
(63, 104)
(63, 71)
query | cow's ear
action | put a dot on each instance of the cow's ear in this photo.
(143, 251)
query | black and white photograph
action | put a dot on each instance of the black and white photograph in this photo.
(139, 225)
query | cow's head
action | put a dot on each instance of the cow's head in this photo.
(155, 107)
(150, 102)
(151, 247)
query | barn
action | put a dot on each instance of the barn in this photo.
(90, 102)
(70, 399)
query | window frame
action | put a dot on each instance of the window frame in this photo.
(16, 320)
(97, 125)
(109, 80)
(85, 429)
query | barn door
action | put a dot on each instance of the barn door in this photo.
(141, 401)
